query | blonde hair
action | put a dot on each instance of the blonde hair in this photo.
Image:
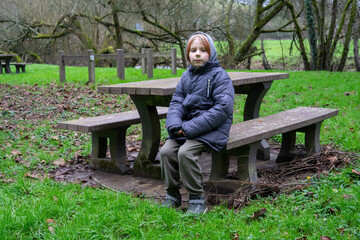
(203, 39)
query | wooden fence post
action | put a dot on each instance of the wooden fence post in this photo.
(91, 66)
(150, 63)
(143, 61)
(173, 61)
(61, 66)
(120, 63)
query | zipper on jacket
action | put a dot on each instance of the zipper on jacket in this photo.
(208, 88)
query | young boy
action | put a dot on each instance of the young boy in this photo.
(199, 116)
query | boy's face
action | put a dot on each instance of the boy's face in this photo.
(198, 55)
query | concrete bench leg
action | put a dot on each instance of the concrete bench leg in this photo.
(220, 165)
(312, 143)
(20, 67)
(118, 163)
(246, 164)
(219, 170)
(287, 146)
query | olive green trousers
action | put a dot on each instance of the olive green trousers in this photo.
(179, 162)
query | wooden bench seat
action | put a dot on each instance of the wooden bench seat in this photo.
(19, 66)
(245, 137)
(112, 127)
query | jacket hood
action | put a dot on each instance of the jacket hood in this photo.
(213, 53)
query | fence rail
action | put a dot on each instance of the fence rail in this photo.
(147, 63)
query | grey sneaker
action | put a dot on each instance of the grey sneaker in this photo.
(197, 205)
(172, 201)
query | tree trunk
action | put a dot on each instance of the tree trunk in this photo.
(263, 56)
(229, 37)
(339, 29)
(320, 19)
(356, 43)
(299, 35)
(347, 38)
(261, 19)
(330, 37)
(78, 31)
(312, 35)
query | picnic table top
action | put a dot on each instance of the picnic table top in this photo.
(7, 55)
(163, 87)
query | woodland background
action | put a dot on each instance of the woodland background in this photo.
(321, 31)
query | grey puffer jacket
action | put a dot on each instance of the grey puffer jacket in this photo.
(202, 105)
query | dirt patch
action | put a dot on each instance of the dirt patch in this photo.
(274, 179)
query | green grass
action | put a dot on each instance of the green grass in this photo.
(42, 74)
(40, 208)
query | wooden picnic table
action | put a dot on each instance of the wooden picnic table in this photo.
(148, 94)
(7, 58)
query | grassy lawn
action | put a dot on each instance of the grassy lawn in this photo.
(34, 206)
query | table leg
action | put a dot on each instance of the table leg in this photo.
(151, 132)
(255, 94)
(1, 67)
(7, 66)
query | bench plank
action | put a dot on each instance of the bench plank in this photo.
(110, 121)
(257, 129)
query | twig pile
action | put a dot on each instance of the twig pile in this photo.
(286, 177)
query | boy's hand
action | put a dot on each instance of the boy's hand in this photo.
(181, 133)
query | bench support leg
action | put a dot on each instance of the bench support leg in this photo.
(312, 138)
(220, 165)
(246, 165)
(287, 145)
(312, 143)
(118, 162)
(255, 95)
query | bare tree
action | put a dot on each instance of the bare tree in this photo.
(356, 40)
(263, 15)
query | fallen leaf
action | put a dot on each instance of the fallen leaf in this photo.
(30, 175)
(345, 196)
(258, 214)
(236, 236)
(51, 229)
(309, 194)
(333, 159)
(356, 172)
(333, 210)
(15, 152)
(130, 149)
(50, 220)
(7, 180)
(60, 162)
(325, 238)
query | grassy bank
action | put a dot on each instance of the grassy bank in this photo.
(34, 206)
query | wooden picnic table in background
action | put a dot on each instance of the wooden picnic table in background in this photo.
(7, 58)
(148, 94)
